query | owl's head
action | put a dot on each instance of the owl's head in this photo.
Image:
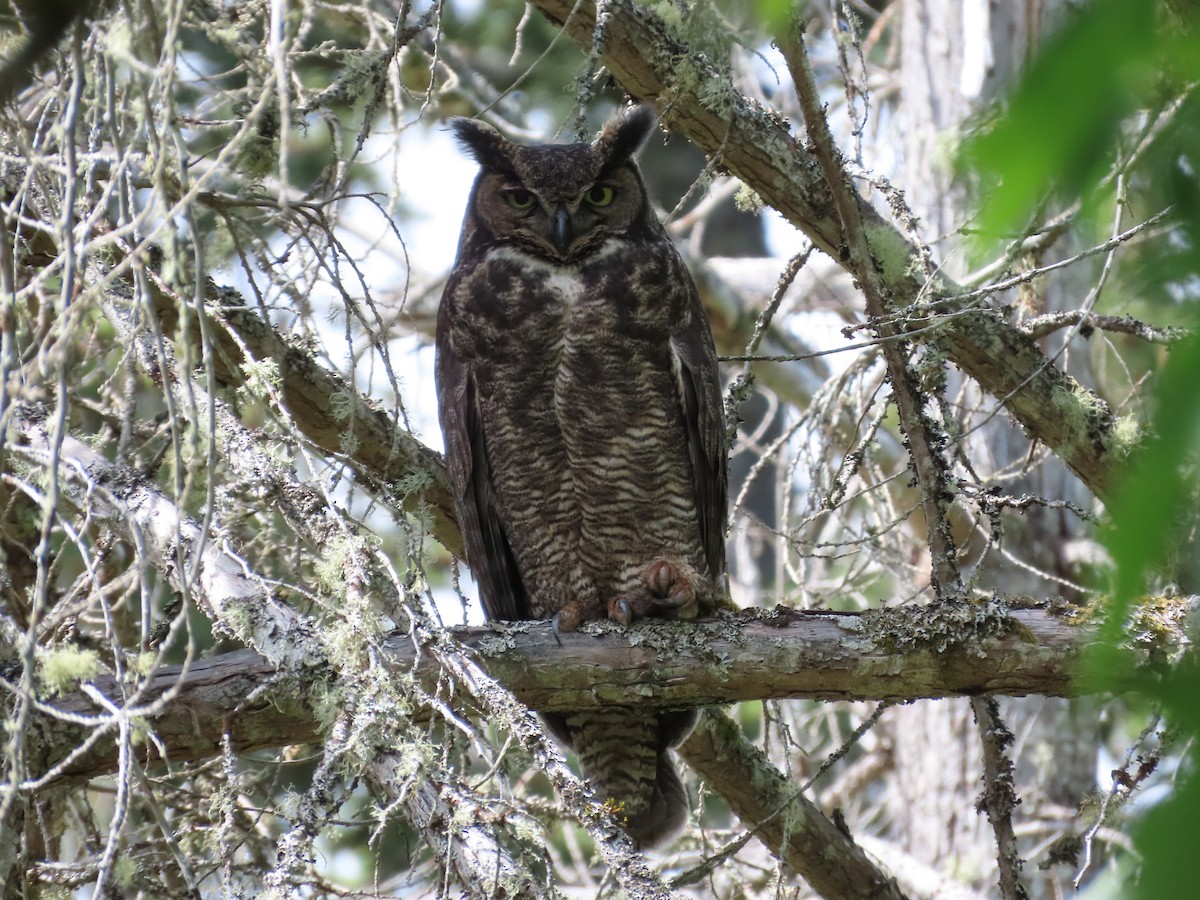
(558, 201)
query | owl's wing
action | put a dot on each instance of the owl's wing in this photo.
(704, 422)
(489, 553)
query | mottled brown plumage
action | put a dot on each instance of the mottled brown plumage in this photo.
(581, 409)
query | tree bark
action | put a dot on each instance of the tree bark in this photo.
(954, 58)
(879, 655)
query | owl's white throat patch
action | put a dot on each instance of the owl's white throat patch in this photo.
(563, 279)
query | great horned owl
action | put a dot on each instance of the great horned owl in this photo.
(581, 407)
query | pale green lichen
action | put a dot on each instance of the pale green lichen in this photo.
(357, 79)
(61, 668)
(747, 200)
(502, 639)
(262, 378)
(527, 831)
(341, 405)
(289, 804)
(1089, 407)
(412, 760)
(416, 481)
(236, 619)
(717, 96)
(713, 90)
(891, 251)
(497, 644)
(1126, 435)
(330, 564)
(348, 443)
(940, 627)
(124, 871)
(1158, 627)
(667, 13)
(257, 155)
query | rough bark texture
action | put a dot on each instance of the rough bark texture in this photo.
(881, 655)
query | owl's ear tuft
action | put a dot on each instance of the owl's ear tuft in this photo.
(483, 142)
(625, 133)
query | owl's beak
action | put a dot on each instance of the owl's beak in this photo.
(561, 232)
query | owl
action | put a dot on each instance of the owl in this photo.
(581, 408)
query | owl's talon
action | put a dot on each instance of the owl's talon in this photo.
(619, 611)
(555, 628)
(574, 614)
(659, 578)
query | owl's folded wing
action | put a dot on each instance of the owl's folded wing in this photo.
(489, 553)
(704, 422)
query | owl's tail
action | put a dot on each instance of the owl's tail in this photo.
(624, 752)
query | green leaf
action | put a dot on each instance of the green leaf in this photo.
(1063, 119)
(776, 16)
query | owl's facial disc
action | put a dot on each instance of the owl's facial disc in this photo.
(564, 221)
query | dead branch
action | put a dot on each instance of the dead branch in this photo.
(999, 794)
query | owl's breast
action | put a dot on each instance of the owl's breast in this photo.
(579, 392)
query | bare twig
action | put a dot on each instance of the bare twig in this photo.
(999, 794)
(918, 428)
(817, 656)
(1042, 326)
(1124, 783)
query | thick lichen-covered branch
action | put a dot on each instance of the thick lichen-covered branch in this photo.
(903, 653)
(653, 62)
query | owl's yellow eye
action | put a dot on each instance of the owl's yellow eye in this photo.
(600, 195)
(519, 198)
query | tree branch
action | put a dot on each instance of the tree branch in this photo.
(902, 653)
(699, 101)
(790, 824)
(999, 795)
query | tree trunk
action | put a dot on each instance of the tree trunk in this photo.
(956, 56)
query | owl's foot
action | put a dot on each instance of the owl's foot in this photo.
(574, 614)
(669, 589)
